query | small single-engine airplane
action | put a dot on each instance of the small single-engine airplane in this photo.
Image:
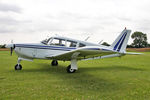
(67, 49)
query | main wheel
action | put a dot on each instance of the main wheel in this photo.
(69, 70)
(18, 67)
(54, 63)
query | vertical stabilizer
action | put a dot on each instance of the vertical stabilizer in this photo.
(120, 43)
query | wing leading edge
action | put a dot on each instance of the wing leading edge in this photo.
(82, 53)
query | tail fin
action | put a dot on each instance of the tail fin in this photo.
(120, 43)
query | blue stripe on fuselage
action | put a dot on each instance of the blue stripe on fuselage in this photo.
(44, 47)
(106, 50)
(97, 49)
(92, 49)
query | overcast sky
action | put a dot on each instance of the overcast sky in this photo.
(25, 21)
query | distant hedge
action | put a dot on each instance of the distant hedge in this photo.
(3, 46)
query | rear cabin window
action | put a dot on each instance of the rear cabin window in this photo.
(71, 43)
(81, 45)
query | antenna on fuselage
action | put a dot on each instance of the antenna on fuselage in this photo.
(56, 34)
(47, 36)
(100, 42)
(87, 38)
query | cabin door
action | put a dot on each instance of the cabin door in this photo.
(34, 53)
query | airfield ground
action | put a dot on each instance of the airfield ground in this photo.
(139, 49)
(126, 78)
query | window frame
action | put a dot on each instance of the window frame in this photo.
(77, 44)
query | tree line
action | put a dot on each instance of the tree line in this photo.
(3, 46)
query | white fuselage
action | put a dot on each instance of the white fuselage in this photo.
(53, 46)
(39, 51)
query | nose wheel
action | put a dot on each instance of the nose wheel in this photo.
(18, 67)
(54, 63)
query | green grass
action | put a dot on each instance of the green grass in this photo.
(126, 78)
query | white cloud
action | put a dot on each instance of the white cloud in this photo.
(101, 19)
(8, 7)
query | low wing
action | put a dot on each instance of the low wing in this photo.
(82, 53)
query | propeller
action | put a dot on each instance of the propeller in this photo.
(11, 46)
(11, 49)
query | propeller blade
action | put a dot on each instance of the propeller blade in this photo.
(11, 47)
(11, 50)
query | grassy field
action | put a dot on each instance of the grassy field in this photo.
(126, 78)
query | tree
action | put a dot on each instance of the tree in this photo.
(140, 40)
(148, 45)
(3, 46)
(130, 46)
(105, 43)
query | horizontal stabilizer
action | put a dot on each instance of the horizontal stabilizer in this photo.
(133, 53)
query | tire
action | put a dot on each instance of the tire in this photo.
(54, 63)
(69, 70)
(18, 67)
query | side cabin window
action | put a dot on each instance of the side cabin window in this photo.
(63, 42)
(58, 42)
(71, 43)
(81, 45)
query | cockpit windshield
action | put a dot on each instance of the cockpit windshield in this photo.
(45, 41)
